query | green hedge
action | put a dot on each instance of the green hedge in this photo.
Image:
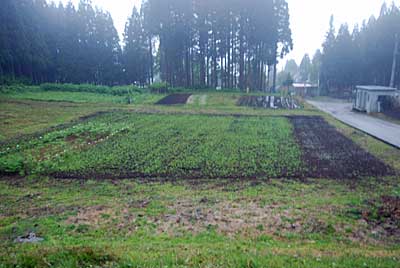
(116, 90)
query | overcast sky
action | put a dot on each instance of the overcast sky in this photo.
(309, 18)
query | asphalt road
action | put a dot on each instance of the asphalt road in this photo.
(380, 129)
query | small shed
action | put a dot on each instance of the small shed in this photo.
(306, 89)
(370, 98)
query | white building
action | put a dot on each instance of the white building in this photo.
(369, 98)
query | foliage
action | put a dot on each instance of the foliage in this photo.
(44, 42)
(116, 90)
(288, 82)
(364, 56)
(305, 69)
(13, 164)
(160, 88)
(191, 44)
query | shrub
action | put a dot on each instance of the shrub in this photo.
(12, 164)
(117, 90)
(159, 88)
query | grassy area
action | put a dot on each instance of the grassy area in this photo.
(259, 221)
(83, 97)
(275, 223)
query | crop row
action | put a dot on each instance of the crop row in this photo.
(132, 145)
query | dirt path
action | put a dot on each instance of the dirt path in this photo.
(380, 129)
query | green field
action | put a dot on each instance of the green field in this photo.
(206, 184)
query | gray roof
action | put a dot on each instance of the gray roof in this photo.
(376, 88)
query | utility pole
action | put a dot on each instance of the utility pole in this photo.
(395, 54)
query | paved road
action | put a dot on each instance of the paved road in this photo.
(383, 130)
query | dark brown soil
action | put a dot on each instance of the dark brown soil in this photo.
(330, 154)
(269, 102)
(174, 99)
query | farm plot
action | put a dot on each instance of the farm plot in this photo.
(330, 154)
(126, 145)
(269, 102)
(174, 99)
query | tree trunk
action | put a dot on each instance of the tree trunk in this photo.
(241, 57)
(274, 79)
(394, 65)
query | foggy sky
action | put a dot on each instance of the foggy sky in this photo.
(309, 18)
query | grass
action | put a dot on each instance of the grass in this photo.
(125, 232)
(261, 222)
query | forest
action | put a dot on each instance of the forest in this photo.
(363, 56)
(196, 44)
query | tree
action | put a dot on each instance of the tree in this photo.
(136, 57)
(305, 68)
(315, 67)
(291, 67)
(363, 57)
(198, 43)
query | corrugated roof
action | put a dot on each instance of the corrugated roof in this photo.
(376, 88)
(304, 85)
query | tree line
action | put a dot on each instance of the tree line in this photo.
(361, 57)
(364, 56)
(47, 43)
(198, 44)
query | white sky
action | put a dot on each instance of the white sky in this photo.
(309, 18)
(120, 10)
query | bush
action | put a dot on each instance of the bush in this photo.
(17, 88)
(116, 91)
(159, 88)
(7, 80)
(12, 164)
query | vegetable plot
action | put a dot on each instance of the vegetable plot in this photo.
(174, 99)
(124, 145)
(269, 102)
(128, 145)
(330, 154)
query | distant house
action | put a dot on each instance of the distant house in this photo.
(305, 89)
(371, 99)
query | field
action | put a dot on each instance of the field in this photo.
(202, 184)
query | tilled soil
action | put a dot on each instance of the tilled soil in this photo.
(174, 99)
(269, 102)
(329, 154)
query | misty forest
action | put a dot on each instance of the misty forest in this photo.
(199, 133)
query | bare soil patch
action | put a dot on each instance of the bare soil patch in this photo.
(174, 99)
(227, 217)
(330, 154)
(90, 215)
(383, 216)
(269, 102)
